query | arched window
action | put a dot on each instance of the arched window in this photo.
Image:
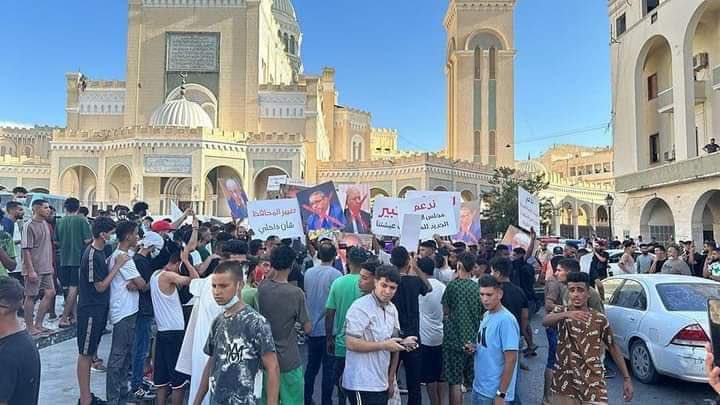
(492, 62)
(28, 151)
(356, 151)
(292, 44)
(286, 41)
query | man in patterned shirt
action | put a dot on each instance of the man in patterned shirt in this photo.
(463, 311)
(583, 334)
(240, 339)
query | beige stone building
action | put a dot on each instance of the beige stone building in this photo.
(666, 104)
(216, 90)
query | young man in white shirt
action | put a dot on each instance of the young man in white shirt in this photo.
(431, 333)
(124, 305)
(372, 328)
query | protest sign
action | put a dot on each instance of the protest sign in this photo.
(386, 216)
(515, 237)
(279, 218)
(528, 211)
(410, 234)
(355, 199)
(438, 215)
(453, 196)
(469, 230)
(235, 196)
(321, 208)
(274, 182)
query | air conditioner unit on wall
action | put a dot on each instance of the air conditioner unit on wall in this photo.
(669, 155)
(700, 61)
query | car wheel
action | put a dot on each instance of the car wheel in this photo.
(641, 363)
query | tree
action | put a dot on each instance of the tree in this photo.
(502, 208)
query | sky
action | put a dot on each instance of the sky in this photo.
(389, 58)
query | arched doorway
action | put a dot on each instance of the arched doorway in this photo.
(40, 190)
(602, 227)
(404, 191)
(375, 193)
(221, 182)
(78, 181)
(119, 186)
(440, 188)
(657, 221)
(585, 228)
(261, 181)
(706, 217)
(567, 227)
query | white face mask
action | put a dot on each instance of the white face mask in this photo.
(155, 253)
(234, 300)
(21, 200)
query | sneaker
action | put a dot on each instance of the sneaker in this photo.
(94, 400)
(141, 394)
(147, 385)
(98, 367)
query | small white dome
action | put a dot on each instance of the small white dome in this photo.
(285, 7)
(181, 113)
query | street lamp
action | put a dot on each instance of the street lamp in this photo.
(609, 200)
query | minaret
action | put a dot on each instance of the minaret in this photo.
(480, 92)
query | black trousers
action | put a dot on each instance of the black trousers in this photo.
(412, 362)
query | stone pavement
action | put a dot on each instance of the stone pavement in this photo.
(59, 384)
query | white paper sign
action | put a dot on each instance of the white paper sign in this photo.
(528, 211)
(454, 196)
(438, 215)
(410, 235)
(294, 182)
(274, 182)
(386, 216)
(279, 218)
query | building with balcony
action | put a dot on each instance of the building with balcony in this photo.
(666, 105)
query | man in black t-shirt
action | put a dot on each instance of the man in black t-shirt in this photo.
(514, 299)
(413, 284)
(598, 266)
(19, 357)
(94, 302)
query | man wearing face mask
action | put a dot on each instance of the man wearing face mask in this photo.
(149, 247)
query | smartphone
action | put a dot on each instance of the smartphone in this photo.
(714, 318)
(389, 245)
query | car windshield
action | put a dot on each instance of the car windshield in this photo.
(687, 296)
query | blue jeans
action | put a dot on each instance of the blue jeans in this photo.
(141, 348)
(479, 399)
(317, 357)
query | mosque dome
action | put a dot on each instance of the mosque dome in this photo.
(284, 7)
(181, 113)
(530, 166)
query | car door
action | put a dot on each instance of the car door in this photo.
(629, 306)
(611, 286)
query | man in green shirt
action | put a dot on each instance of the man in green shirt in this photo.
(72, 235)
(463, 312)
(343, 292)
(7, 253)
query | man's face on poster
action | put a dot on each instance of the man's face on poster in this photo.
(319, 202)
(466, 218)
(354, 200)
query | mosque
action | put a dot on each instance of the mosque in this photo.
(216, 90)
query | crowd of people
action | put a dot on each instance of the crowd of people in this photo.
(207, 313)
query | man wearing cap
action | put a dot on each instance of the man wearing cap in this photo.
(149, 246)
(318, 280)
(163, 228)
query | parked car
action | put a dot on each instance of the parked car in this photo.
(659, 322)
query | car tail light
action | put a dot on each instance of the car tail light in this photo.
(692, 335)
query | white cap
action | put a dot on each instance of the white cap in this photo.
(152, 240)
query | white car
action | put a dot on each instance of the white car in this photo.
(660, 323)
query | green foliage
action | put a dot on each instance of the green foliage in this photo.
(502, 208)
